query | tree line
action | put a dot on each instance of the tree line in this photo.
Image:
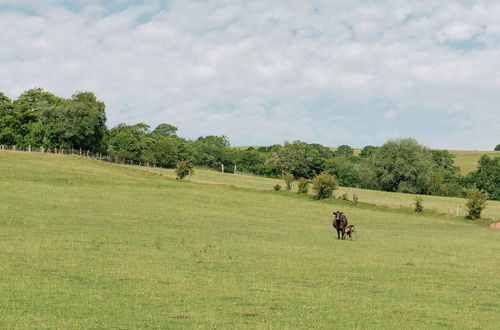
(39, 118)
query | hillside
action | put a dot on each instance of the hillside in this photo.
(467, 160)
(451, 206)
(89, 244)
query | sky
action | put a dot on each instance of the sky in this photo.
(265, 72)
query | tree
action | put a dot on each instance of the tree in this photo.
(403, 165)
(35, 118)
(250, 160)
(345, 169)
(298, 158)
(324, 184)
(367, 151)
(497, 148)
(81, 123)
(344, 150)
(212, 151)
(7, 121)
(184, 168)
(127, 141)
(444, 160)
(160, 150)
(476, 202)
(165, 130)
(487, 176)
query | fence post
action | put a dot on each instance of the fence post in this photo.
(14, 148)
(234, 168)
(222, 168)
(29, 148)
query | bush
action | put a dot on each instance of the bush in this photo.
(323, 185)
(344, 197)
(476, 202)
(288, 178)
(303, 186)
(419, 207)
(277, 187)
(184, 168)
(497, 148)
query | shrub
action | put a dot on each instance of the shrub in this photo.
(303, 186)
(323, 185)
(183, 168)
(288, 178)
(344, 197)
(476, 202)
(277, 187)
(419, 207)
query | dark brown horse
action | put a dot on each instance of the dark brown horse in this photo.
(339, 223)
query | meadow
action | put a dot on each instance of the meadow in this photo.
(86, 244)
(467, 160)
(450, 206)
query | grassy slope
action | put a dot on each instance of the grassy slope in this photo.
(448, 205)
(87, 244)
(467, 160)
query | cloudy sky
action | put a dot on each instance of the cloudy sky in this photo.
(262, 72)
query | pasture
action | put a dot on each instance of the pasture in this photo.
(88, 244)
(467, 160)
(450, 206)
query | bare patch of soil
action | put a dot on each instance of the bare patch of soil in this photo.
(495, 225)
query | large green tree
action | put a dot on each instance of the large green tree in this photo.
(8, 133)
(298, 158)
(161, 150)
(34, 118)
(487, 176)
(127, 141)
(212, 151)
(81, 122)
(403, 165)
(165, 130)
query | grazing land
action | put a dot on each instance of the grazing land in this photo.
(88, 244)
(467, 160)
(451, 206)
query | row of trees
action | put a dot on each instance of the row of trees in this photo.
(39, 118)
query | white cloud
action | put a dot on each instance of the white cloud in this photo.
(265, 72)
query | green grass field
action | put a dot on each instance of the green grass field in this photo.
(451, 206)
(85, 244)
(467, 160)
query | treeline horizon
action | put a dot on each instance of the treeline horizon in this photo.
(39, 118)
